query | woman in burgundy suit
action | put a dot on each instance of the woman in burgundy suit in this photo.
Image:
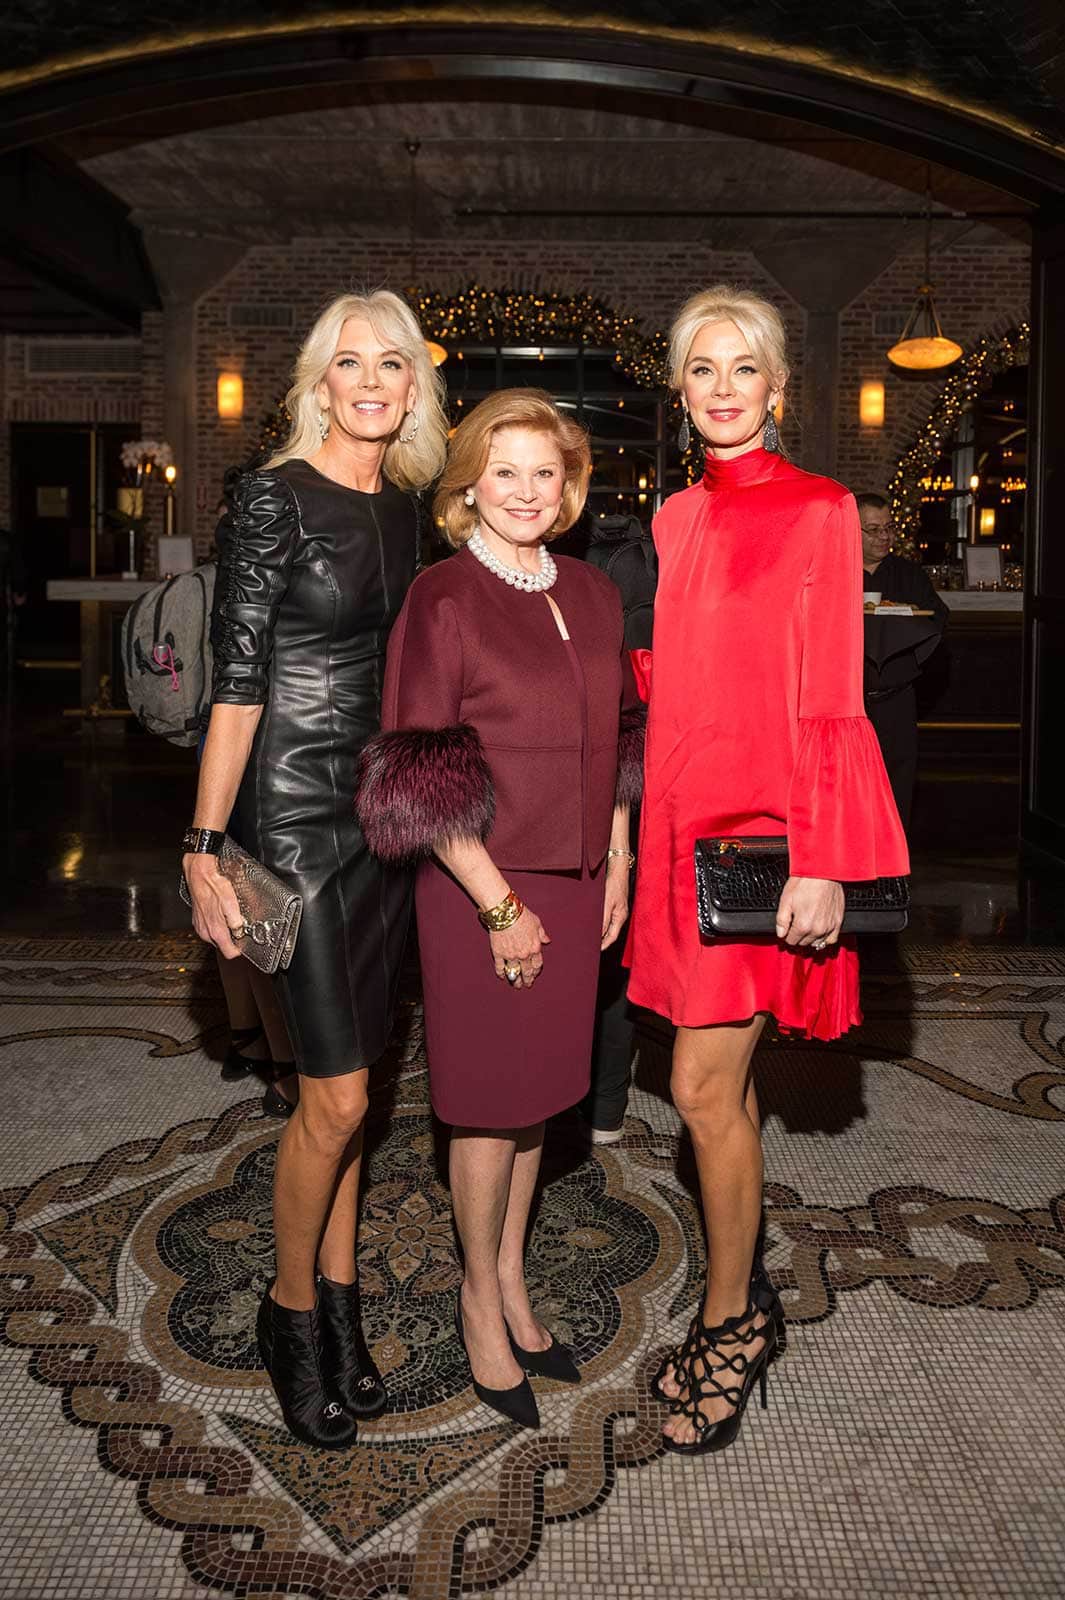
(756, 726)
(503, 773)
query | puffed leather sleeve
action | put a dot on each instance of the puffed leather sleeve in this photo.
(257, 541)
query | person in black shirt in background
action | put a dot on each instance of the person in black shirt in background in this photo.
(622, 548)
(890, 679)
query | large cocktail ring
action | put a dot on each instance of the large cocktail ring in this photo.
(820, 944)
(512, 971)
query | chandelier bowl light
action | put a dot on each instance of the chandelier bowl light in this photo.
(923, 346)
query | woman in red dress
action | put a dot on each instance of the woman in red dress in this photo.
(507, 766)
(756, 726)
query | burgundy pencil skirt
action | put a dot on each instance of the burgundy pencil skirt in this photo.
(502, 1057)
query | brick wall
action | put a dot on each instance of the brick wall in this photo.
(977, 291)
(54, 398)
(648, 281)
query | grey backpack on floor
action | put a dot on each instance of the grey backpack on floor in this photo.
(166, 656)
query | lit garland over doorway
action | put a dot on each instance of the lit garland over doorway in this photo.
(479, 315)
(975, 373)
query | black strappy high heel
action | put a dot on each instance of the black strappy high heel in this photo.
(764, 1296)
(236, 1065)
(731, 1379)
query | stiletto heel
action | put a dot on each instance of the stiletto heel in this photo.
(236, 1065)
(767, 1300)
(290, 1348)
(348, 1369)
(763, 1383)
(517, 1404)
(729, 1344)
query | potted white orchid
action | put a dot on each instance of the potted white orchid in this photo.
(140, 458)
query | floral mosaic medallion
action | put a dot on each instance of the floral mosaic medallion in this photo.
(211, 1255)
(913, 1212)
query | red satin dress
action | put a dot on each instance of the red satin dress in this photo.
(756, 726)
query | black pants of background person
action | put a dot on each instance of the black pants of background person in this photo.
(605, 1103)
(893, 714)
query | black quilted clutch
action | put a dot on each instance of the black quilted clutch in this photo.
(738, 884)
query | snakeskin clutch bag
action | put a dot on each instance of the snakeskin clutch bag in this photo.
(738, 884)
(269, 909)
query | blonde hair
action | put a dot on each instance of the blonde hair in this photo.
(409, 465)
(759, 322)
(467, 458)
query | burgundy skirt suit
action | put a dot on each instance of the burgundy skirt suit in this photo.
(498, 729)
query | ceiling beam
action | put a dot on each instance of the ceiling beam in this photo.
(73, 239)
(644, 69)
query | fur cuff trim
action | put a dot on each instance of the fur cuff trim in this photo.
(630, 756)
(420, 787)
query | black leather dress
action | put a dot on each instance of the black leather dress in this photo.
(311, 577)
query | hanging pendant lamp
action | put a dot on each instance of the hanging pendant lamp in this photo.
(923, 347)
(437, 353)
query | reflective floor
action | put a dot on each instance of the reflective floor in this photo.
(914, 1443)
(93, 821)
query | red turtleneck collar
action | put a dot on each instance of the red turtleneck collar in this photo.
(740, 472)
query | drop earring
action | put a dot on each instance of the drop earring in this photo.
(412, 429)
(771, 433)
(469, 498)
(684, 432)
(323, 424)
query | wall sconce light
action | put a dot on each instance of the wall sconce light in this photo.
(230, 396)
(987, 521)
(170, 474)
(974, 482)
(871, 404)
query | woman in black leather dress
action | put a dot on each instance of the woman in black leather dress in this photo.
(316, 557)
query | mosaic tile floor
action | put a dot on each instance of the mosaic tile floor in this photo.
(914, 1445)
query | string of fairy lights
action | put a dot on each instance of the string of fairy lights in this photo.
(974, 374)
(479, 315)
(531, 317)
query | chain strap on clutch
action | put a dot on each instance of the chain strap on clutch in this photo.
(739, 882)
(270, 911)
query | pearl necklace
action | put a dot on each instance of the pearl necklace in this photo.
(530, 582)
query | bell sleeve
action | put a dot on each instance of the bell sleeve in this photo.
(424, 779)
(842, 821)
(257, 542)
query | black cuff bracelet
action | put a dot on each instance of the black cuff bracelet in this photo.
(202, 841)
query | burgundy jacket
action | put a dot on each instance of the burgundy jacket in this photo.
(482, 726)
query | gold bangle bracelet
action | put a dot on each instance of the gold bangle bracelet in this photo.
(496, 918)
(626, 853)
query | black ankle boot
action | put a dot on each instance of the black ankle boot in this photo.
(347, 1365)
(290, 1347)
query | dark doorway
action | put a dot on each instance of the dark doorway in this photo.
(64, 477)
